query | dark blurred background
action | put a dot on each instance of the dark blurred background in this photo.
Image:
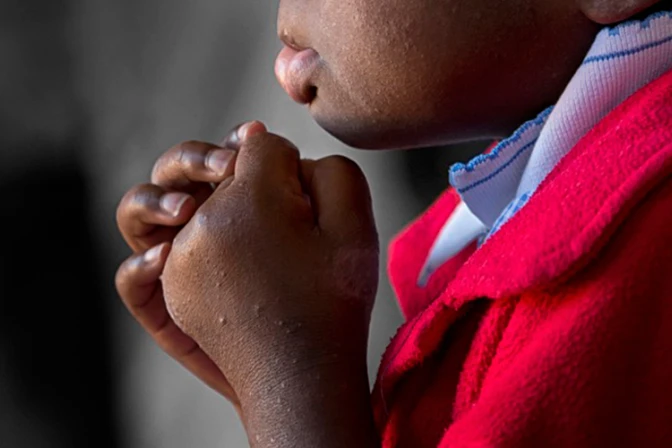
(91, 92)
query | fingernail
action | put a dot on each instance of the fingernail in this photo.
(153, 254)
(218, 160)
(231, 141)
(238, 135)
(172, 202)
(242, 131)
(250, 129)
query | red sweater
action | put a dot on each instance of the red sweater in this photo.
(558, 330)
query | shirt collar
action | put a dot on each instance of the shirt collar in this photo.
(495, 186)
(623, 168)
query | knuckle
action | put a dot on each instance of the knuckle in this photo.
(131, 195)
(202, 223)
(124, 275)
(195, 236)
(291, 152)
(177, 155)
(213, 225)
(191, 154)
(215, 218)
(181, 150)
(186, 152)
(273, 142)
(288, 147)
(129, 201)
(343, 165)
(341, 162)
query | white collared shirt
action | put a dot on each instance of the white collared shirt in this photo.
(495, 186)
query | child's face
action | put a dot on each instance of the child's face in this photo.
(400, 73)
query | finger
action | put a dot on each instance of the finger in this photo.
(306, 171)
(146, 210)
(341, 199)
(187, 165)
(138, 284)
(240, 133)
(269, 159)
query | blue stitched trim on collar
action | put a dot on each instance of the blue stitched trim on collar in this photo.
(473, 163)
(504, 166)
(644, 23)
(624, 53)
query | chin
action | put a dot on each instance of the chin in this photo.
(343, 121)
(362, 130)
(353, 135)
(367, 134)
(374, 133)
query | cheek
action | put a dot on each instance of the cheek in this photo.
(382, 73)
(371, 55)
(404, 73)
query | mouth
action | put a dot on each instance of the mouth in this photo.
(295, 68)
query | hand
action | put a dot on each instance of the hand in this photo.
(276, 274)
(149, 216)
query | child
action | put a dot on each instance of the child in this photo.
(536, 290)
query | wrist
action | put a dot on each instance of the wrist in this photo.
(308, 405)
(271, 353)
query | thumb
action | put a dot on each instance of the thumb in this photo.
(341, 201)
(268, 159)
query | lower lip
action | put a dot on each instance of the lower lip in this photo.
(294, 70)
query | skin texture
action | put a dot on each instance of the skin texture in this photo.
(427, 72)
(278, 344)
(257, 270)
(423, 72)
(149, 217)
(282, 316)
(607, 12)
